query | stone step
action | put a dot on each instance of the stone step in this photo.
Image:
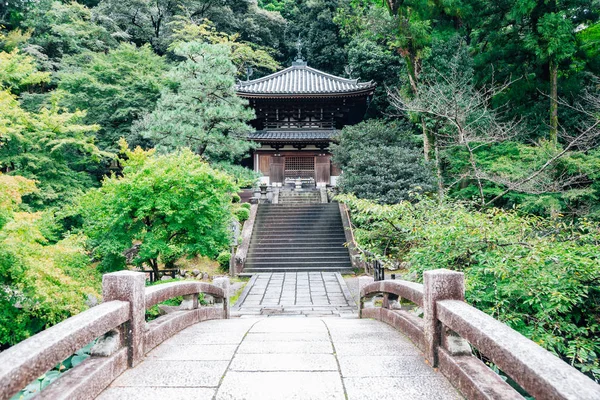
(297, 226)
(325, 251)
(299, 246)
(307, 206)
(298, 234)
(302, 217)
(297, 267)
(291, 260)
(294, 232)
(301, 240)
(276, 248)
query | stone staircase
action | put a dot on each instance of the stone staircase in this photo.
(299, 197)
(298, 238)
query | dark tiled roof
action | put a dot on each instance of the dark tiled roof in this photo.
(300, 135)
(300, 79)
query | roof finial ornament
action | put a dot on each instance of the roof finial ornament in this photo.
(299, 49)
(299, 59)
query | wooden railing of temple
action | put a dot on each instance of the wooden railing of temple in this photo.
(449, 327)
(124, 336)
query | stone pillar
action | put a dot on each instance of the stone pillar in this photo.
(362, 282)
(129, 286)
(440, 284)
(223, 283)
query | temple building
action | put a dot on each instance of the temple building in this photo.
(298, 111)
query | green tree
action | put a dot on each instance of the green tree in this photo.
(18, 72)
(243, 54)
(381, 162)
(311, 22)
(51, 146)
(114, 88)
(170, 206)
(60, 29)
(199, 109)
(42, 283)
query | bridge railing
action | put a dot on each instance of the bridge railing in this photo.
(449, 328)
(123, 336)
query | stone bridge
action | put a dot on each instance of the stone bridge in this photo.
(199, 353)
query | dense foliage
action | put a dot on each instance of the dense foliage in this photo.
(43, 282)
(381, 162)
(540, 276)
(199, 109)
(167, 206)
(115, 88)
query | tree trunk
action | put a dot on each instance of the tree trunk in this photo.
(438, 167)
(154, 264)
(553, 102)
(426, 141)
(413, 69)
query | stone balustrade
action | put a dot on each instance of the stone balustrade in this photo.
(449, 327)
(124, 336)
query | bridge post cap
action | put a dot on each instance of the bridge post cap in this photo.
(124, 273)
(442, 271)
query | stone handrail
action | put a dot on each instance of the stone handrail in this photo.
(27, 360)
(539, 372)
(127, 337)
(407, 290)
(159, 293)
(450, 327)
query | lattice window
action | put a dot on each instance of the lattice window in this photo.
(300, 163)
(299, 167)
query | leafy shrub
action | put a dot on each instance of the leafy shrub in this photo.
(235, 198)
(540, 276)
(242, 214)
(171, 205)
(380, 162)
(223, 259)
(247, 206)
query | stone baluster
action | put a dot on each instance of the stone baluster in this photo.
(223, 283)
(129, 286)
(440, 284)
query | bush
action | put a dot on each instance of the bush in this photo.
(172, 205)
(539, 276)
(381, 163)
(223, 259)
(236, 198)
(247, 206)
(242, 214)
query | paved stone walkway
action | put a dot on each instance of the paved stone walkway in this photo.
(284, 358)
(296, 293)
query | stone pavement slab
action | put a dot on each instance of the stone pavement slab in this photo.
(281, 385)
(157, 393)
(295, 293)
(283, 358)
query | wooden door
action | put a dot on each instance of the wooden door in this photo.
(322, 169)
(276, 169)
(264, 163)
